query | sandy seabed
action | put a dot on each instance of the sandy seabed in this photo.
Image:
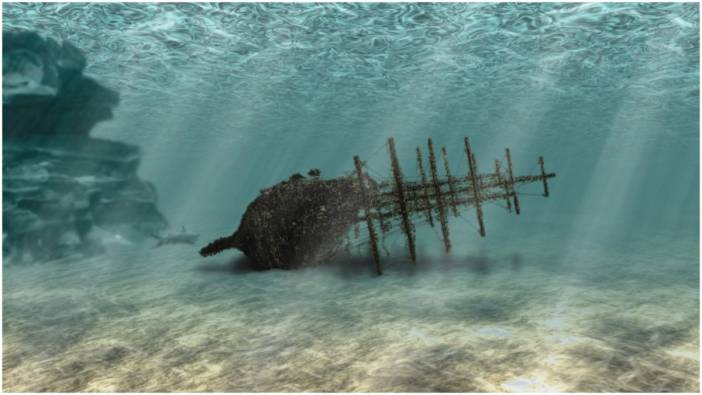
(166, 320)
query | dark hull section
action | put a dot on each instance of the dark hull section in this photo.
(296, 223)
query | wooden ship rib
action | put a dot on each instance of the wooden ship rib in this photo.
(302, 221)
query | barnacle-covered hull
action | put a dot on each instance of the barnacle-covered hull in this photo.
(295, 223)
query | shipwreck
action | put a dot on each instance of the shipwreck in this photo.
(304, 221)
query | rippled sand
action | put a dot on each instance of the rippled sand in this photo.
(166, 320)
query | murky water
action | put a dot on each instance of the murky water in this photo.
(594, 289)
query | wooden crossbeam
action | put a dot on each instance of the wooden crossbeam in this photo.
(486, 181)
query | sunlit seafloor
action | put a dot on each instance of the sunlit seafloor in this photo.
(517, 319)
(594, 289)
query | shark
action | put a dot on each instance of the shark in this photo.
(179, 238)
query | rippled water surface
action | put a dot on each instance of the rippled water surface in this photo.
(594, 289)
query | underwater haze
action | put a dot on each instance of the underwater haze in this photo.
(593, 289)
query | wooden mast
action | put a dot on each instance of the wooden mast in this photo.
(369, 220)
(503, 184)
(451, 182)
(438, 197)
(473, 171)
(511, 180)
(543, 175)
(425, 192)
(407, 227)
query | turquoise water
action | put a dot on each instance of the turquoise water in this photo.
(594, 289)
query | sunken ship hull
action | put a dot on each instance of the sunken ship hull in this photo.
(303, 221)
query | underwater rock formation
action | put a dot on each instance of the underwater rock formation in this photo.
(63, 191)
(42, 77)
(295, 223)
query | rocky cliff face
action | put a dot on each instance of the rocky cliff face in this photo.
(64, 192)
